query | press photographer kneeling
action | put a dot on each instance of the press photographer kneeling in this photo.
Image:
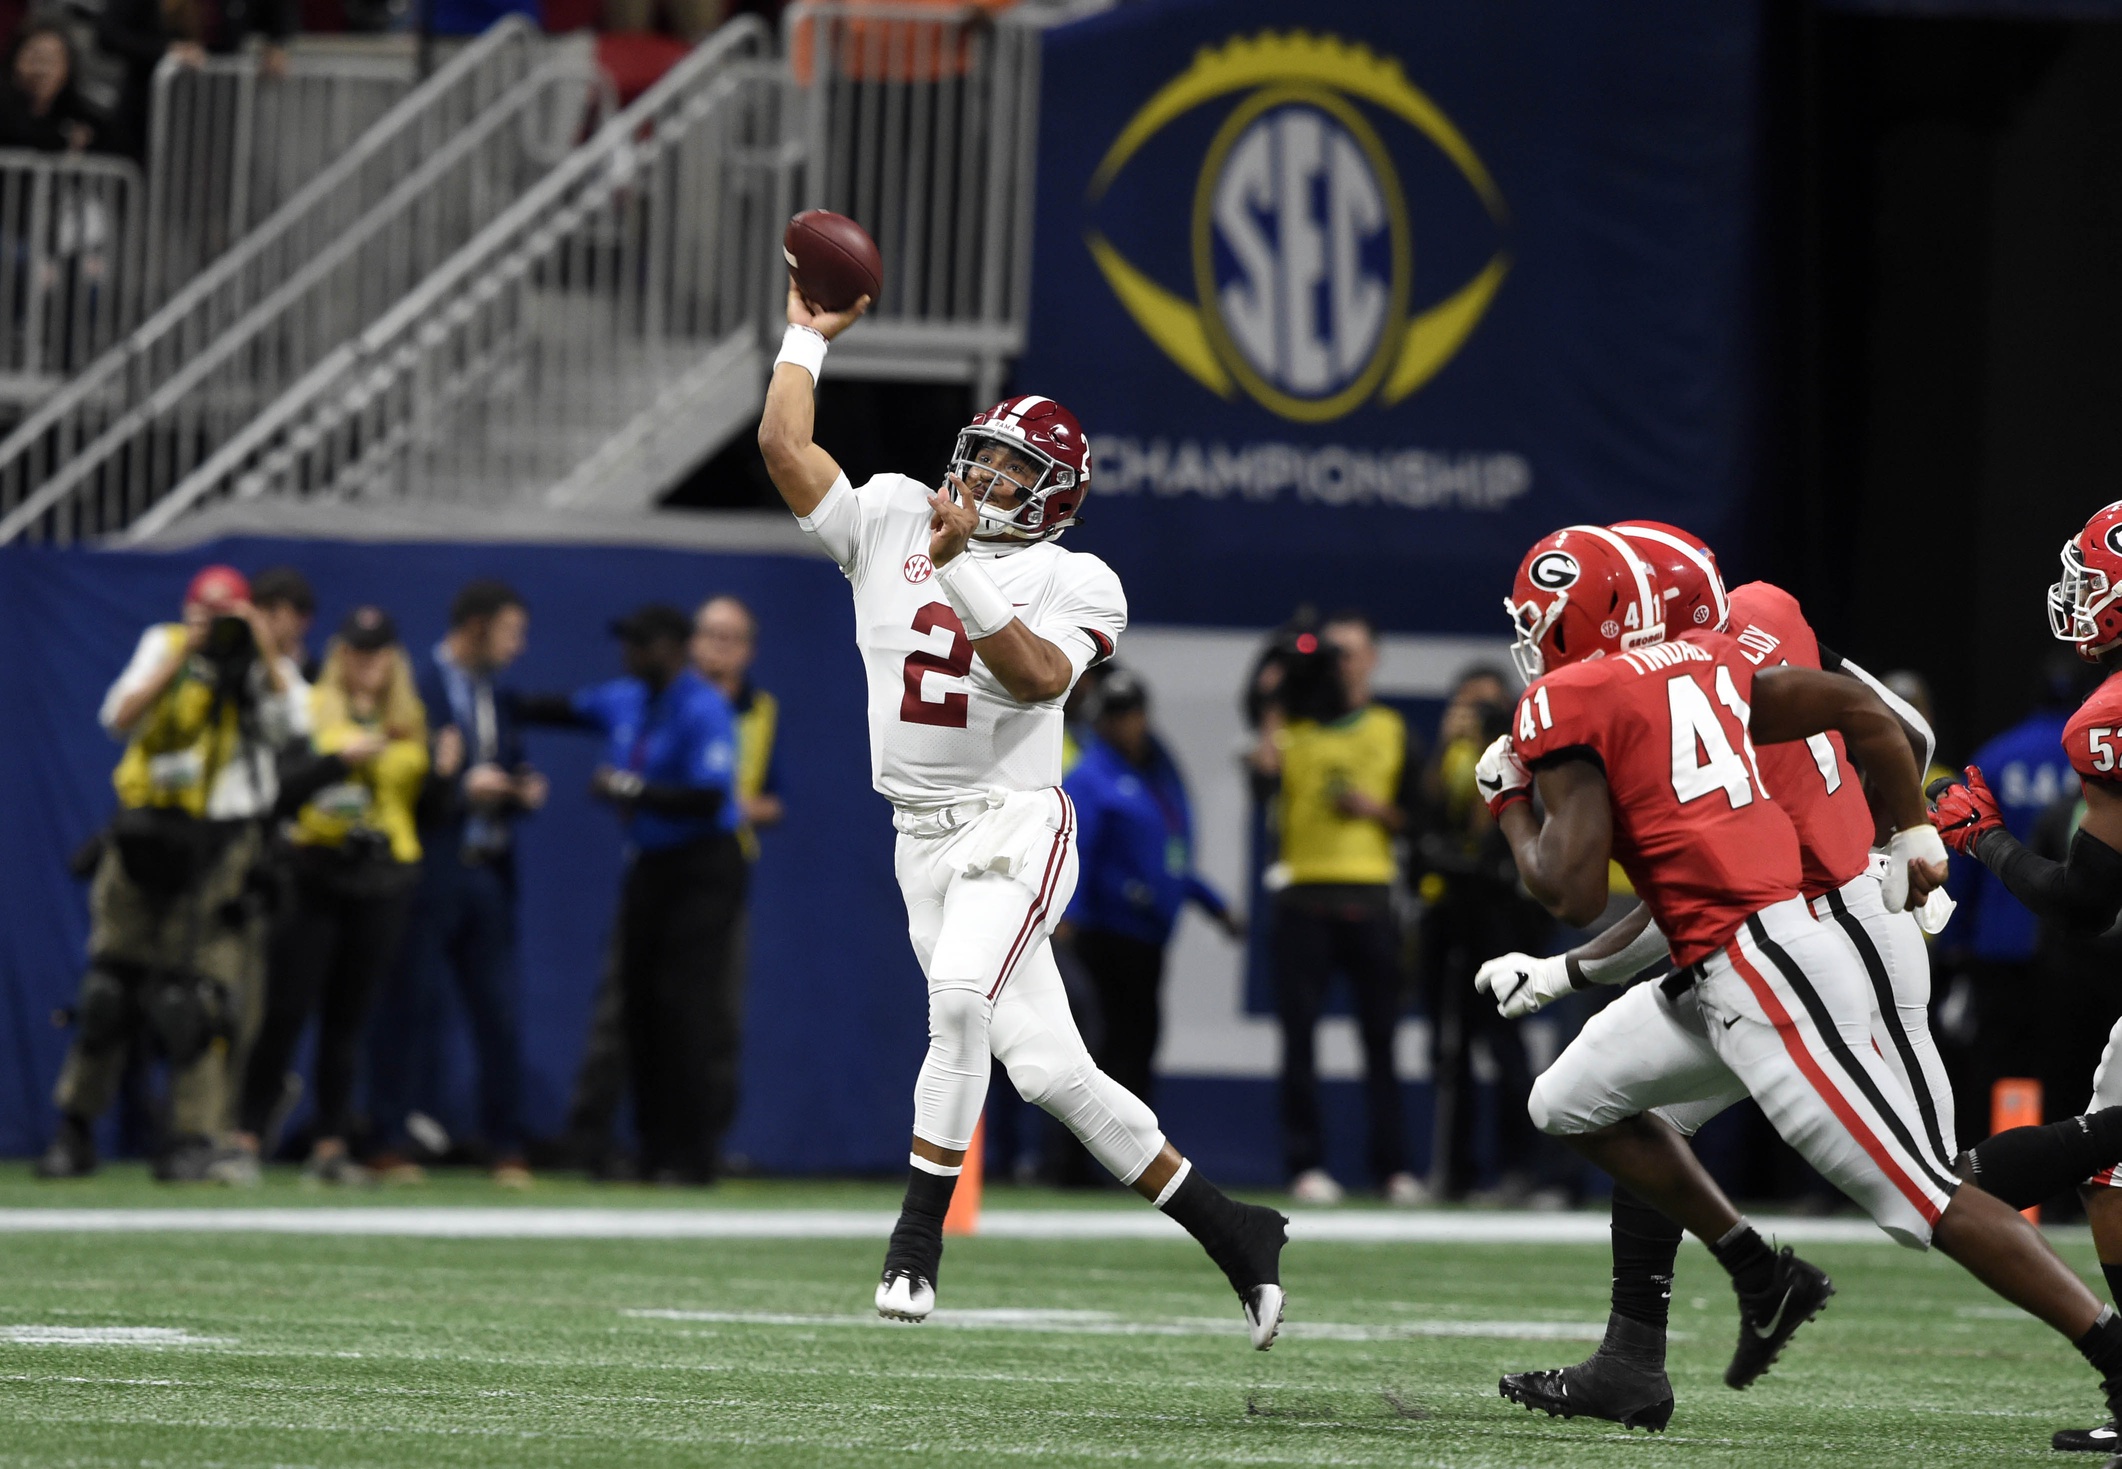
(176, 931)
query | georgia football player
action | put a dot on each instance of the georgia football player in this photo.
(1642, 750)
(973, 626)
(1815, 785)
(2082, 894)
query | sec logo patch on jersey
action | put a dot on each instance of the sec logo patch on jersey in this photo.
(919, 568)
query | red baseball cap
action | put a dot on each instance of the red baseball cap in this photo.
(218, 586)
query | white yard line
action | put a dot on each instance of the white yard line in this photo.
(1349, 1227)
(1105, 1323)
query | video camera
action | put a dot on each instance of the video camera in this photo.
(1310, 683)
(230, 651)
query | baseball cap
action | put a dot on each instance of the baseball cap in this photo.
(1121, 691)
(656, 620)
(367, 629)
(218, 587)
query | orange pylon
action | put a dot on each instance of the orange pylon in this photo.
(2015, 1101)
(964, 1215)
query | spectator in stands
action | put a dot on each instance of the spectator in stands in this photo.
(462, 930)
(356, 857)
(670, 772)
(1473, 911)
(1135, 846)
(175, 939)
(725, 641)
(40, 107)
(134, 36)
(1347, 785)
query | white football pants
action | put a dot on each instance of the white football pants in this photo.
(982, 899)
(1783, 1013)
(1897, 965)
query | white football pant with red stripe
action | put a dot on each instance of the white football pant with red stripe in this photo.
(982, 899)
(1783, 1013)
(2107, 1092)
(1897, 967)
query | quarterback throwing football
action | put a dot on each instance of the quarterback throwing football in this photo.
(973, 626)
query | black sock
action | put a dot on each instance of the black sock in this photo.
(1747, 1258)
(2025, 1166)
(2102, 1345)
(917, 1239)
(2114, 1281)
(1646, 1244)
(1213, 1218)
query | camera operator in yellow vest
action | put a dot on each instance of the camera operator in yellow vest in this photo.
(176, 935)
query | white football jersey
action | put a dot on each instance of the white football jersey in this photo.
(941, 726)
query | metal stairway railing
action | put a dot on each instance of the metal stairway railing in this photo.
(328, 264)
(622, 301)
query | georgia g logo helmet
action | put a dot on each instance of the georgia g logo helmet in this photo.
(1687, 574)
(2085, 605)
(1581, 593)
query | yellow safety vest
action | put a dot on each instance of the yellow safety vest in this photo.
(1363, 751)
(176, 751)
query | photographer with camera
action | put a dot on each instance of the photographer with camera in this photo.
(1345, 773)
(176, 932)
(356, 855)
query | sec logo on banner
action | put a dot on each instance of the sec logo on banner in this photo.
(1301, 240)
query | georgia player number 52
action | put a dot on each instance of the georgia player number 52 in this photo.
(950, 713)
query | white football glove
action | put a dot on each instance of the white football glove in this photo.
(1500, 776)
(1935, 911)
(1522, 985)
(1916, 844)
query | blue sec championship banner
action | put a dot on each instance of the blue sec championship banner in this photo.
(1358, 300)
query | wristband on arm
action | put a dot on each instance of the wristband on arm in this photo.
(2083, 892)
(983, 607)
(805, 346)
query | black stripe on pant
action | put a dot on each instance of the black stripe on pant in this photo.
(1824, 1022)
(1882, 987)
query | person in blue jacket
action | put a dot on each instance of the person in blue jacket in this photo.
(1135, 846)
(670, 771)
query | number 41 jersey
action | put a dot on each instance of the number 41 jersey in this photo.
(1693, 827)
(941, 726)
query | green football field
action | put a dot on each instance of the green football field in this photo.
(178, 1347)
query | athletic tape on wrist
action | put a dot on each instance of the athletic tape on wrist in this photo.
(983, 607)
(805, 346)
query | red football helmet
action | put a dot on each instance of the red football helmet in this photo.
(1581, 593)
(1043, 432)
(1687, 572)
(2085, 607)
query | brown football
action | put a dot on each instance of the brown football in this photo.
(835, 261)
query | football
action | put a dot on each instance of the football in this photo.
(835, 261)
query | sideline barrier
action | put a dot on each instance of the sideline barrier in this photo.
(70, 229)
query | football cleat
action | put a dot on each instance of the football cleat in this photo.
(2105, 1439)
(905, 1296)
(1601, 1386)
(1263, 1314)
(1767, 1321)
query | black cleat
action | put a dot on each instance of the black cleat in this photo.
(1769, 1320)
(1601, 1386)
(1252, 1262)
(72, 1153)
(2102, 1440)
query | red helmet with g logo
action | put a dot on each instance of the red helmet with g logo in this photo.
(2085, 607)
(1047, 436)
(1687, 574)
(1581, 593)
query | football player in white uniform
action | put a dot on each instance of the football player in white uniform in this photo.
(973, 626)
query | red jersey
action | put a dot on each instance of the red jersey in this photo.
(1703, 846)
(2092, 741)
(1812, 780)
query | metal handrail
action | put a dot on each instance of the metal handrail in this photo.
(473, 80)
(354, 410)
(149, 435)
(71, 230)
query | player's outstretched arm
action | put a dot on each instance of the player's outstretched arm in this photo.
(800, 470)
(2083, 892)
(1562, 861)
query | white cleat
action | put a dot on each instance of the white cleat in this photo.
(1263, 1314)
(902, 1296)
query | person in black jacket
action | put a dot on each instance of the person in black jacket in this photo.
(40, 107)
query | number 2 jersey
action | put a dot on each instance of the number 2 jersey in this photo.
(941, 726)
(1699, 841)
(1812, 780)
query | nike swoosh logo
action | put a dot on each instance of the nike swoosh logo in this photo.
(1765, 1332)
(1731, 1022)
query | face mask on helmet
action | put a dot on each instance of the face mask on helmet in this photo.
(2076, 601)
(1008, 506)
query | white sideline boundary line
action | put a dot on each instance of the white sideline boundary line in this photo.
(1355, 1227)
